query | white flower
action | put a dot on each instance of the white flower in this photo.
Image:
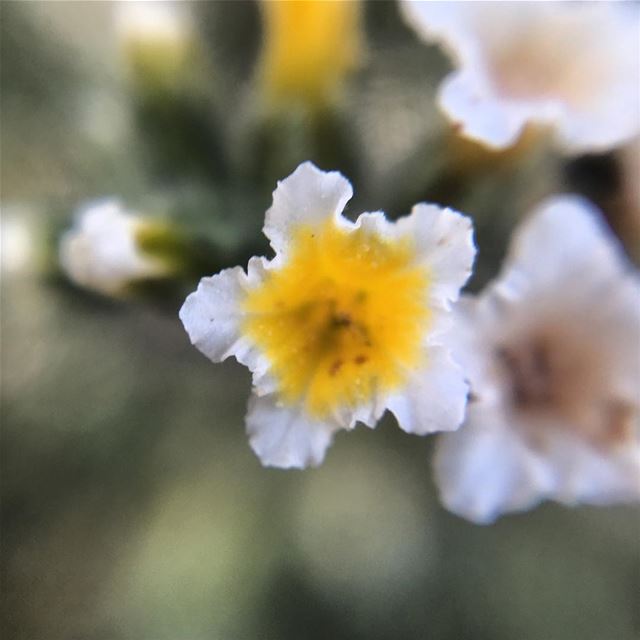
(571, 65)
(101, 251)
(551, 350)
(17, 246)
(152, 21)
(346, 320)
(157, 41)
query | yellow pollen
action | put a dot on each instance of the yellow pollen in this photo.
(342, 319)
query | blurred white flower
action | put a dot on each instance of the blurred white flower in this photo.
(156, 39)
(101, 251)
(571, 65)
(552, 354)
(346, 320)
(17, 251)
(152, 21)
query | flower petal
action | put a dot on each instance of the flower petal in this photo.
(442, 22)
(308, 196)
(444, 240)
(612, 116)
(212, 314)
(586, 474)
(563, 244)
(285, 436)
(434, 397)
(477, 114)
(484, 469)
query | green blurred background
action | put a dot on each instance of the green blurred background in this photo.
(132, 505)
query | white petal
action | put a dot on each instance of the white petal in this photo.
(478, 114)
(442, 22)
(212, 315)
(563, 244)
(484, 469)
(616, 322)
(434, 397)
(614, 123)
(368, 413)
(376, 224)
(285, 436)
(470, 345)
(444, 241)
(153, 22)
(610, 117)
(586, 474)
(308, 196)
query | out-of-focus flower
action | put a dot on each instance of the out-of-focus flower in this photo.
(102, 251)
(17, 249)
(156, 40)
(573, 66)
(309, 47)
(346, 320)
(551, 351)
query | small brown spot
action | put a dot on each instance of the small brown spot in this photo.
(360, 359)
(335, 367)
(342, 320)
(530, 373)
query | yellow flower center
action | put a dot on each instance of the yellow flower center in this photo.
(342, 319)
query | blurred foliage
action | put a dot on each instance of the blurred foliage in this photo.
(132, 506)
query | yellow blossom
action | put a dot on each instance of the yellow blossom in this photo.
(309, 47)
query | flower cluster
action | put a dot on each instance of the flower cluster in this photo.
(535, 379)
(349, 319)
